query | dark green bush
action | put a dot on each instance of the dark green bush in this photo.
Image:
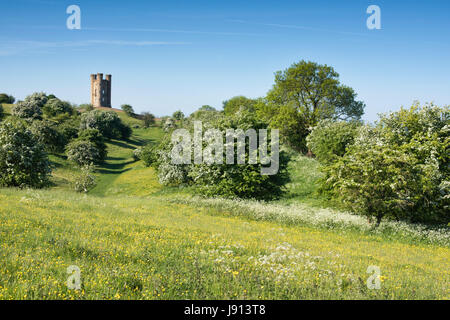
(4, 98)
(107, 122)
(47, 134)
(94, 136)
(329, 139)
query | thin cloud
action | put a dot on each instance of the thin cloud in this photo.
(217, 33)
(288, 26)
(18, 47)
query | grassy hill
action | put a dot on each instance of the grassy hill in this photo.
(134, 239)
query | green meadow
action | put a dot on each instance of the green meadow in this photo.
(135, 239)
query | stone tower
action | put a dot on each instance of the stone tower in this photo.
(101, 90)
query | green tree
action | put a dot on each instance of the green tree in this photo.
(315, 92)
(128, 109)
(149, 119)
(234, 104)
(178, 115)
(4, 98)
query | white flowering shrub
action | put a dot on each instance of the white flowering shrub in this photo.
(86, 179)
(83, 153)
(107, 122)
(57, 108)
(397, 169)
(23, 160)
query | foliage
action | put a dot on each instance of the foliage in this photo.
(31, 107)
(23, 160)
(314, 91)
(329, 139)
(235, 104)
(107, 122)
(227, 180)
(397, 169)
(168, 124)
(5, 98)
(47, 135)
(83, 153)
(86, 107)
(178, 115)
(55, 108)
(137, 154)
(69, 128)
(86, 179)
(293, 130)
(205, 114)
(148, 154)
(149, 119)
(94, 136)
(128, 109)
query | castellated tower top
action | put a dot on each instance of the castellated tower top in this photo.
(101, 90)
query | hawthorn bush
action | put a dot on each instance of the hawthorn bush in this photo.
(55, 108)
(107, 122)
(31, 107)
(23, 160)
(47, 134)
(329, 139)
(225, 180)
(398, 168)
(94, 136)
(83, 153)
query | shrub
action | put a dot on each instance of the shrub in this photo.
(23, 160)
(48, 136)
(329, 139)
(137, 154)
(86, 107)
(293, 129)
(83, 153)
(1, 111)
(227, 180)
(149, 119)
(107, 122)
(86, 179)
(235, 104)
(178, 115)
(148, 154)
(69, 128)
(397, 169)
(128, 109)
(4, 98)
(168, 124)
(31, 107)
(94, 136)
(57, 108)
(27, 110)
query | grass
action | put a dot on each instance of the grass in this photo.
(137, 248)
(134, 239)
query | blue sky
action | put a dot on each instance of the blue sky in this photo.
(170, 55)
